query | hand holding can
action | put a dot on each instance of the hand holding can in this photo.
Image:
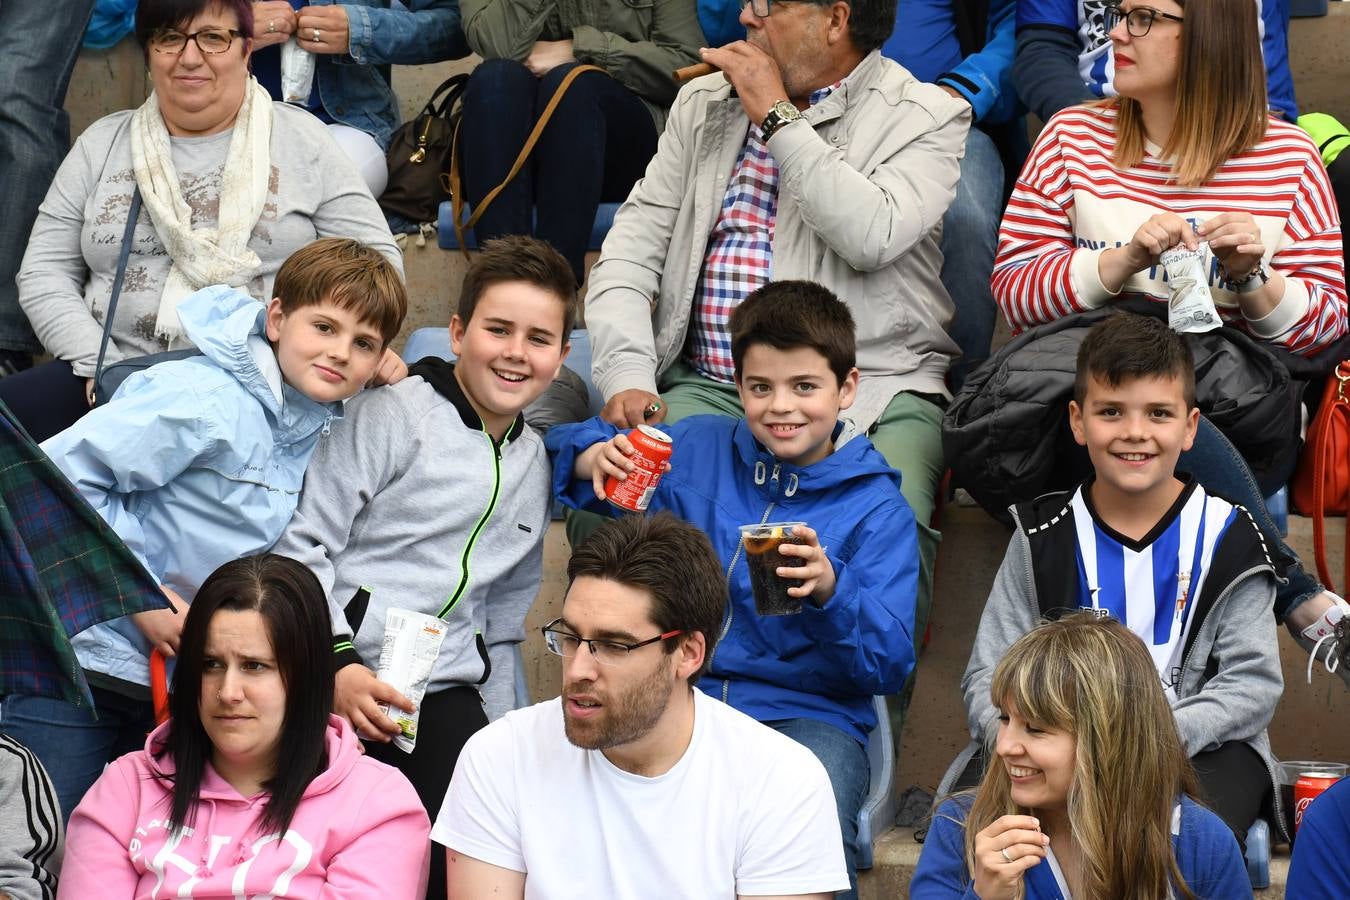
(650, 458)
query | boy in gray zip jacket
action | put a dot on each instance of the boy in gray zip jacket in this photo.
(1185, 570)
(433, 495)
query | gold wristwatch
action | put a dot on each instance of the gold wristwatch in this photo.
(779, 115)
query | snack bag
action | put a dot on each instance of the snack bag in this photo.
(1191, 306)
(412, 641)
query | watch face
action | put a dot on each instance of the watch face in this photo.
(786, 109)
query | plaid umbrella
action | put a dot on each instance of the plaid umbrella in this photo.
(62, 569)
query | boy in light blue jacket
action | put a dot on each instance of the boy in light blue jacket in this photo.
(811, 675)
(199, 461)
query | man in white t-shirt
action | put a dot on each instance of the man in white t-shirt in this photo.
(632, 783)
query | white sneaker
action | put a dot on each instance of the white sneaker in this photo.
(1332, 627)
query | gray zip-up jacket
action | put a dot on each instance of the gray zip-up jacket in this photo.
(410, 497)
(864, 181)
(1230, 678)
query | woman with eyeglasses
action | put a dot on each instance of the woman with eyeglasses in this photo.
(230, 185)
(1090, 794)
(253, 788)
(1188, 155)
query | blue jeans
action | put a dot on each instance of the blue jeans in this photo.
(850, 776)
(969, 238)
(37, 54)
(1219, 468)
(595, 147)
(70, 743)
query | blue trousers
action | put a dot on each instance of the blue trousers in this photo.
(595, 147)
(850, 777)
(969, 238)
(37, 54)
(70, 743)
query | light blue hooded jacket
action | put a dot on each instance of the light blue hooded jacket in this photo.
(194, 462)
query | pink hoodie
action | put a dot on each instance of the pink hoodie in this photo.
(359, 833)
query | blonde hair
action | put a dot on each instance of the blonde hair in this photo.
(1094, 679)
(1221, 94)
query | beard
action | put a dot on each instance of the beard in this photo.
(626, 715)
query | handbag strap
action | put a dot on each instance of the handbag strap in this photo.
(1322, 446)
(122, 257)
(457, 195)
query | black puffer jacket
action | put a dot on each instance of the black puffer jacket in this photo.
(1006, 435)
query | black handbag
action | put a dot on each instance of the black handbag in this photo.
(107, 379)
(419, 155)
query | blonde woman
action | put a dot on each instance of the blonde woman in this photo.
(1090, 795)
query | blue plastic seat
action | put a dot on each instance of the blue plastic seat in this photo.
(445, 227)
(878, 810)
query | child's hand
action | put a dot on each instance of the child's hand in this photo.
(391, 370)
(817, 576)
(162, 627)
(357, 694)
(599, 461)
(1003, 853)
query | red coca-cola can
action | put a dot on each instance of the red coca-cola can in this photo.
(1309, 786)
(651, 452)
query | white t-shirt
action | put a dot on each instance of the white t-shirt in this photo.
(745, 811)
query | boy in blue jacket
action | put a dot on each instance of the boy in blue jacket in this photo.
(199, 461)
(812, 675)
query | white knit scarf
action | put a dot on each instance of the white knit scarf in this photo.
(205, 256)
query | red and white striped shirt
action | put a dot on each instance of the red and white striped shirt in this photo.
(1071, 203)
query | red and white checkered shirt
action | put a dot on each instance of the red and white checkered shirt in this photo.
(740, 252)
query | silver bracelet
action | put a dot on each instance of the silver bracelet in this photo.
(1253, 281)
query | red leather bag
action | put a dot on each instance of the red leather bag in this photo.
(1321, 484)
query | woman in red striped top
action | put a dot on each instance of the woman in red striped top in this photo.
(1187, 154)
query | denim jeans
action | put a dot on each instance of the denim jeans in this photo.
(850, 777)
(1219, 468)
(70, 743)
(595, 147)
(969, 238)
(37, 54)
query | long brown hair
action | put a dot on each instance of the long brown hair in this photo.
(1222, 108)
(1094, 679)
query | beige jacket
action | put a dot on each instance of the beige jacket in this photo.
(864, 181)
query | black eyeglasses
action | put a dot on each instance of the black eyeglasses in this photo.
(1138, 20)
(762, 8)
(209, 40)
(608, 653)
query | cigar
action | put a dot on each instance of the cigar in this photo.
(694, 71)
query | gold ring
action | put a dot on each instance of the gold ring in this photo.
(316, 36)
(271, 26)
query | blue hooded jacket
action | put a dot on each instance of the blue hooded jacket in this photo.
(193, 462)
(824, 663)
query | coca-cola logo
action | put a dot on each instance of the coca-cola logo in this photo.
(1299, 807)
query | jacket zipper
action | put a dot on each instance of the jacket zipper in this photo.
(731, 610)
(454, 598)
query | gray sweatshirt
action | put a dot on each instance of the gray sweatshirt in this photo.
(67, 273)
(1231, 679)
(410, 497)
(30, 825)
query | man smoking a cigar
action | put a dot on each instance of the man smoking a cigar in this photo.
(809, 156)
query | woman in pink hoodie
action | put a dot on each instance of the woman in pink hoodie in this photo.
(252, 788)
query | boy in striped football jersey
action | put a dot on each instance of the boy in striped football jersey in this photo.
(1185, 570)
